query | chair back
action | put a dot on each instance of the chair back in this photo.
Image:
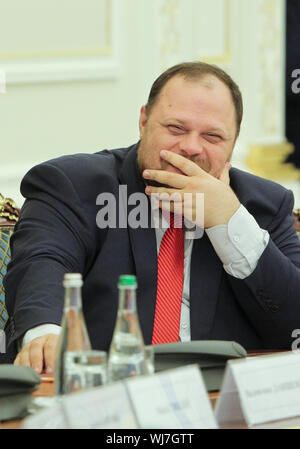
(9, 214)
(297, 221)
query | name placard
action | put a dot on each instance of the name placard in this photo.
(49, 418)
(173, 399)
(260, 389)
(106, 407)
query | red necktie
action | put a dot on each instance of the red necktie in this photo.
(169, 285)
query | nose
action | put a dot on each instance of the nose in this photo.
(190, 145)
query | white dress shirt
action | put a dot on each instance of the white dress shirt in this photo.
(239, 245)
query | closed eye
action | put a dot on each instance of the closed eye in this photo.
(214, 138)
(175, 129)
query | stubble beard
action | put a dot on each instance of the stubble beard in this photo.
(142, 166)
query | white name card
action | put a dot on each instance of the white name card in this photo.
(49, 418)
(260, 389)
(173, 399)
(106, 407)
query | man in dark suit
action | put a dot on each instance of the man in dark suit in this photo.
(241, 279)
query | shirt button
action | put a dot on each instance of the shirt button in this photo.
(184, 326)
(236, 238)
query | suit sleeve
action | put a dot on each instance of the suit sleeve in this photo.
(52, 237)
(270, 296)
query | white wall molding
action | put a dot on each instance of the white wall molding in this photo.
(170, 33)
(94, 64)
(271, 57)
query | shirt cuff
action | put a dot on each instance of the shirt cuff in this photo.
(39, 331)
(239, 244)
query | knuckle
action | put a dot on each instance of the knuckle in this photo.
(24, 350)
(36, 343)
(50, 343)
(192, 184)
(167, 178)
(185, 164)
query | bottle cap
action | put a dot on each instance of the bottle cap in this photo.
(127, 280)
(72, 280)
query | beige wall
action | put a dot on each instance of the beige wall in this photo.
(78, 71)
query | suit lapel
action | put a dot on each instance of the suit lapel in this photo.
(143, 244)
(206, 273)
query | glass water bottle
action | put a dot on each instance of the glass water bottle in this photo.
(74, 335)
(127, 350)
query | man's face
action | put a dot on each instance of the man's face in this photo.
(195, 119)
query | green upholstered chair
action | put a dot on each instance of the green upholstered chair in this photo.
(9, 214)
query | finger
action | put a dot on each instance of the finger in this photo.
(224, 176)
(164, 177)
(188, 167)
(167, 206)
(49, 353)
(23, 358)
(175, 208)
(36, 354)
(164, 194)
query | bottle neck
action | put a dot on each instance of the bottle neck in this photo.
(127, 299)
(73, 298)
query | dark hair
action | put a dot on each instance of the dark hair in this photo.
(196, 71)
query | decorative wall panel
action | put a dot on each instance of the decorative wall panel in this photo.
(54, 40)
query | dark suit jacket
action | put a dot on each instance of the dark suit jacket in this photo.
(57, 233)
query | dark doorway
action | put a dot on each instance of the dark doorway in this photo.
(292, 78)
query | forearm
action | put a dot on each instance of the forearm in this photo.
(50, 239)
(34, 296)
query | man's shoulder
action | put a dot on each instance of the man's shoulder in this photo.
(87, 164)
(244, 181)
(258, 194)
(86, 174)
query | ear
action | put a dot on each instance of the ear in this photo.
(142, 120)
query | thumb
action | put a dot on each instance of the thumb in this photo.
(224, 176)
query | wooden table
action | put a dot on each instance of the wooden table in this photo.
(46, 389)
